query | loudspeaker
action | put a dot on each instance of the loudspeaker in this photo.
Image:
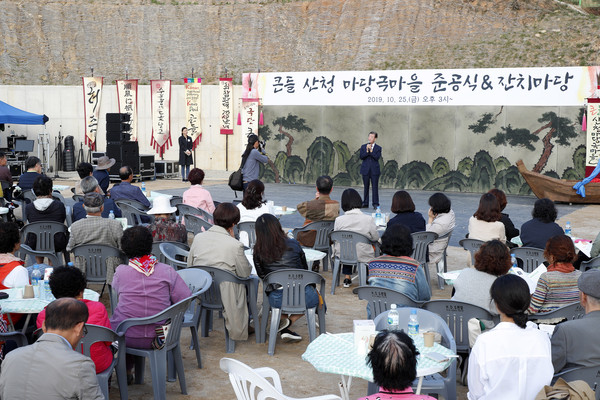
(124, 153)
(116, 117)
(117, 136)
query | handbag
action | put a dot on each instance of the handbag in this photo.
(236, 180)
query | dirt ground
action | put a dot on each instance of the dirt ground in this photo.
(299, 378)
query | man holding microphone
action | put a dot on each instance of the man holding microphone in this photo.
(370, 153)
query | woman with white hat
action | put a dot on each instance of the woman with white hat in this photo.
(165, 228)
(101, 172)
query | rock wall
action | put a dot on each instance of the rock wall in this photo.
(49, 42)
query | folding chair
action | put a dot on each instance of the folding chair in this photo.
(195, 224)
(569, 312)
(421, 241)
(530, 256)
(380, 299)
(472, 245)
(95, 256)
(170, 252)
(593, 263)
(348, 241)
(322, 241)
(44, 232)
(248, 229)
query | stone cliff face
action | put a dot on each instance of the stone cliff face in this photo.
(57, 42)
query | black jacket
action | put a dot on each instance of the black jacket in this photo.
(292, 258)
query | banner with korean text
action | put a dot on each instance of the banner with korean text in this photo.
(160, 99)
(592, 150)
(127, 96)
(559, 86)
(193, 102)
(250, 117)
(225, 106)
(92, 94)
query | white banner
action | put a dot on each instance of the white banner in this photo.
(160, 99)
(592, 150)
(250, 116)
(92, 94)
(127, 96)
(225, 106)
(193, 101)
(561, 86)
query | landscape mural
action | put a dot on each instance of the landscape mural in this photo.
(437, 148)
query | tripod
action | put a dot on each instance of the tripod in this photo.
(58, 153)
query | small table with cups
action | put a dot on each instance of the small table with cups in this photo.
(336, 354)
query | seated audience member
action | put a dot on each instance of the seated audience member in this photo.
(274, 251)
(537, 231)
(395, 269)
(12, 272)
(145, 287)
(513, 360)
(89, 184)
(441, 221)
(558, 286)
(95, 230)
(5, 176)
(45, 208)
(354, 220)
(217, 247)
(33, 167)
(125, 190)
(572, 346)
(70, 282)
(101, 173)
(252, 206)
(394, 363)
(164, 227)
(60, 372)
(197, 196)
(83, 170)
(321, 208)
(404, 208)
(485, 223)
(509, 228)
(473, 284)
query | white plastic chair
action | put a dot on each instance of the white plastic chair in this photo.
(251, 383)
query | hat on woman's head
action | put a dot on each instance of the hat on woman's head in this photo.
(162, 205)
(105, 163)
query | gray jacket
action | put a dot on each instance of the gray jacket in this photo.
(575, 343)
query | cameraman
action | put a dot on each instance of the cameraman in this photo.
(251, 158)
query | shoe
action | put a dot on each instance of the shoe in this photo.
(347, 282)
(316, 265)
(284, 324)
(365, 206)
(289, 336)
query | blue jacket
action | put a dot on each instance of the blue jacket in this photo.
(370, 162)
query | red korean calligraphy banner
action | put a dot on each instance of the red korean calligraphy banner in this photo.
(592, 148)
(559, 86)
(250, 116)
(193, 102)
(160, 99)
(226, 106)
(92, 94)
(127, 96)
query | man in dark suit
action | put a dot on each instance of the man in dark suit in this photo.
(575, 343)
(370, 153)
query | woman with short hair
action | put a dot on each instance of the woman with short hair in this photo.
(513, 360)
(537, 231)
(393, 359)
(197, 196)
(396, 269)
(557, 286)
(354, 220)
(473, 284)
(404, 208)
(485, 223)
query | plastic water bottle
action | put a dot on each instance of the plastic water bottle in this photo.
(111, 214)
(48, 296)
(36, 278)
(513, 260)
(144, 188)
(393, 319)
(413, 323)
(378, 217)
(568, 229)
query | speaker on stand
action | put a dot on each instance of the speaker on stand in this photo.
(119, 147)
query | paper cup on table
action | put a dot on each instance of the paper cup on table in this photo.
(284, 208)
(28, 292)
(428, 338)
(18, 293)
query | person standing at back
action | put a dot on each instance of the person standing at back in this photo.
(253, 156)
(186, 145)
(370, 153)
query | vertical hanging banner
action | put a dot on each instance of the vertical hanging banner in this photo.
(592, 149)
(225, 106)
(250, 85)
(193, 99)
(127, 96)
(92, 94)
(250, 117)
(160, 99)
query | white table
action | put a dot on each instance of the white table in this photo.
(31, 306)
(335, 354)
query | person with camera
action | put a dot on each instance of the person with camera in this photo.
(251, 159)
